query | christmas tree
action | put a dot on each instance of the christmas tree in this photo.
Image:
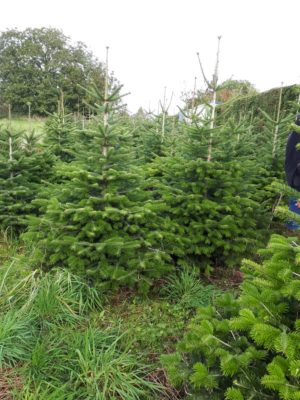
(247, 347)
(24, 165)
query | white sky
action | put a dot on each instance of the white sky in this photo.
(153, 44)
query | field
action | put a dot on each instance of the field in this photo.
(23, 124)
(145, 257)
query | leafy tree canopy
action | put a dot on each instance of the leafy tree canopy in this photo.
(228, 90)
(232, 88)
(38, 65)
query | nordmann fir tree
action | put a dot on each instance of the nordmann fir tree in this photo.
(153, 143)
(235, 138)
(61, 135)
(247, 347)
(100, 223)
(269, 143)
(235, 142)
(24, 165)
(212, 203)
(156, 134)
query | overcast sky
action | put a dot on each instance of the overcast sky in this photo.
(153, 43)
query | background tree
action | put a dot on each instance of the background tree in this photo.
(227, 90)
(39, 65)
(232, 88)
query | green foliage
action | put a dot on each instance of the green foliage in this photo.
(60, 136)
(57, 299)
(103, 372)
(47, 336)
(44, 391)
(213, 208)
(234, 394)
(230, 89)
(38, 65)
(62, 299)
(98, 222)
(187, 290)
(267, 101)
(151, 326)
(202, 378)
(247, 347)
(24, 165)
(23, 124)
(118, 221)
(16, 338)
(129, 203)
(131, 199)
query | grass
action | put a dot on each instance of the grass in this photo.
(44, 391)
(152, 325)
(23, 124)
(50, 336)
(63, 340)
(186, 289)
(16, 338)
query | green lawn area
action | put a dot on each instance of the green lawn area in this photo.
(23, 124)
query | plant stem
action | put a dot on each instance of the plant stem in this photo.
(163, 116)
(276, 129)
(194, 95)
(10, 149)
(213, 86)
(29, 117)
(62, 106)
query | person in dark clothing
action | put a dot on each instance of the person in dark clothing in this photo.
(292, 158)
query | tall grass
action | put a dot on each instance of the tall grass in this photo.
(44, 391)
(47, 335)
(53, 297)
(17, 337)
(103, 370)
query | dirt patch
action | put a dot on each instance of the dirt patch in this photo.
(226, 278)
(168, 392)
(9, 382)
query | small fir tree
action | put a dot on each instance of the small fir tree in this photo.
(212, 207)
(24, 165)
(61, 136)
(99, 222)
(247, 347)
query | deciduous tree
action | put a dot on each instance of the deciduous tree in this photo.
(38, 65)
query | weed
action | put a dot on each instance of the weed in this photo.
(44, 391)
(105, 372)
(187, 290)
(17, 337)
